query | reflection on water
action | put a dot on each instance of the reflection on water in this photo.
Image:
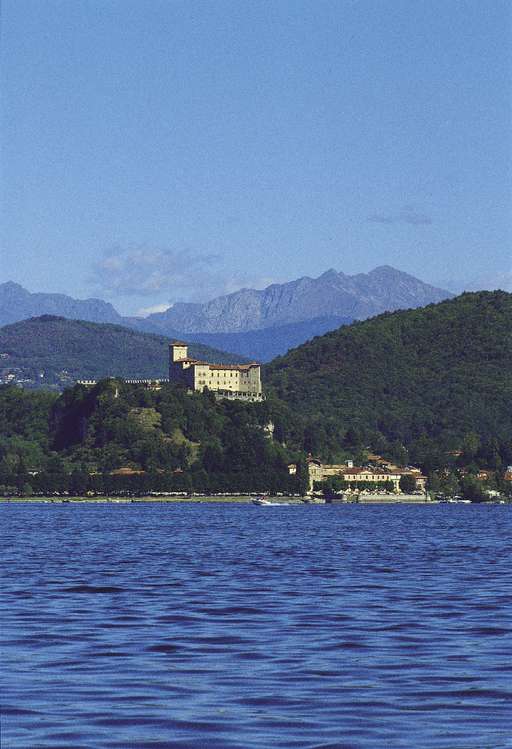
(237, 626)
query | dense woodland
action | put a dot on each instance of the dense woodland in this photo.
(163, 440)
(429, 387)
(414, 385)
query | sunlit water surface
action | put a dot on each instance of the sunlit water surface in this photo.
(237, 626)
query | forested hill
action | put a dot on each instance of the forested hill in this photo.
(425, 378)
(117, 436)
(66, 350)
(430, 387)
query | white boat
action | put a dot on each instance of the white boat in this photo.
(262, 502)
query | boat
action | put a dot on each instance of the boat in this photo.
(263, 502)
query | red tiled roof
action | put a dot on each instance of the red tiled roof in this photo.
(240, 367)
(372, 471)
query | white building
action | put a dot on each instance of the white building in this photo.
(240, 381)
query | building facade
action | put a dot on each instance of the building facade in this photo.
(319, 471)
(239, 381)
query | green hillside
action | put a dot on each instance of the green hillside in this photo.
(431, 387)
(426, 379)
(66, 350)
(121, 437)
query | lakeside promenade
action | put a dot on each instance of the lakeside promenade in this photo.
(243, 499)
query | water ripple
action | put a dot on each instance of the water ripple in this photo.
(155, 626)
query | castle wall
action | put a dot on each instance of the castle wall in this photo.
(250, 381)
(181, 374)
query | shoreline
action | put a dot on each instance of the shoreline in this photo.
(234, 499)
(125, 500)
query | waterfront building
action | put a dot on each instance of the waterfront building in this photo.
(319, 471)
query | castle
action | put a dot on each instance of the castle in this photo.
(236, 381)
(233, 381)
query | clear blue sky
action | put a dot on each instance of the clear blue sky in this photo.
(157, 150)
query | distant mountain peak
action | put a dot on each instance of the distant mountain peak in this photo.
(16, 303)
(331, 273)
(388, 271)
(12, 286)
(333, 293)
(379, 269)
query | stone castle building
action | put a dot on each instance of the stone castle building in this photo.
(238, 381)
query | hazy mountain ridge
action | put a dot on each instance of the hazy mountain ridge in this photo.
(332, 293)
(259, 324)
(502, 280)
(16, 303)
(267, 343)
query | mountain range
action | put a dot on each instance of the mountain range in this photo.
(16, 303)
(331, 294)
(258, 324)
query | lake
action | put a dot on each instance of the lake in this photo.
(188, 625)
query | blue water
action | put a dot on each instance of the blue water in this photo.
(238, 626)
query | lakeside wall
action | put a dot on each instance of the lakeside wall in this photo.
(368, 499)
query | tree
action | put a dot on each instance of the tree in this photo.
(472, 490)
(449, 483)
(54, 479)
(302, 477)
(470, 447)
(79, 482)
(407, 483)
(22, 474)
(213, 457)
(352, 439)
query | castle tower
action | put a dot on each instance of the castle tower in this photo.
(178, 350)
(177, 353)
